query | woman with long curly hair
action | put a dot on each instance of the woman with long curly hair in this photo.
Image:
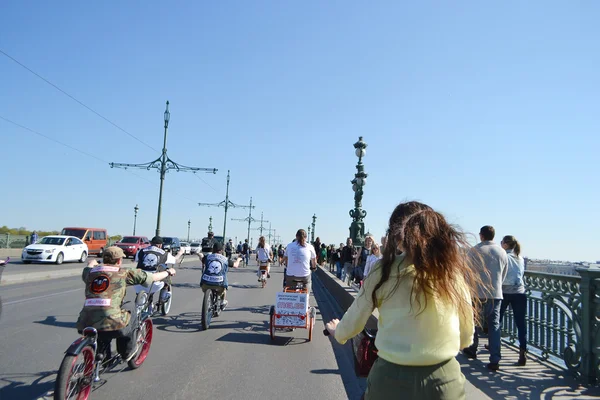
(423, 288)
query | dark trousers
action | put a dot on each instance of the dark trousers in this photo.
(126, 337)
(518, 302)
(491, 314)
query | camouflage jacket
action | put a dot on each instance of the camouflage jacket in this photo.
(105, 288)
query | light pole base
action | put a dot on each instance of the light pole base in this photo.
(357, 233)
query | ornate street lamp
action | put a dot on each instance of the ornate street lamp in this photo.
(357, 227)
(189, 224)
(135, 211)
(313, 227)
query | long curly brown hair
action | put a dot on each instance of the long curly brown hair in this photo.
(438, 252)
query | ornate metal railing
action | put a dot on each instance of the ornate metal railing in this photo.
(563, 319)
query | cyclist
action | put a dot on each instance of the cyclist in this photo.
(105, 289)
(246, 252)
(281, 253)
(229, 249)
(300, 259)
(264, 256)
(149, 258)
(215, 272)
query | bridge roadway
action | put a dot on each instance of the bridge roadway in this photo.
(234, 359)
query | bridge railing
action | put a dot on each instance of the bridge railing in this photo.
(563, 320)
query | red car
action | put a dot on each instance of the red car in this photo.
(132, 244)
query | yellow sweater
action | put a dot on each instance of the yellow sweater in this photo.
(434, 336)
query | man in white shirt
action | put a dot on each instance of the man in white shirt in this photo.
(300, 259)
(264, 256)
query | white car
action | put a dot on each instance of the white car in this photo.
(55, 249)
(194, 248)
(185, 248)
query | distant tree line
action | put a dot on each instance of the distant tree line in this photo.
(24, 231)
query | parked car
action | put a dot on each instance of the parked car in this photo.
(132, 244)
(171, 243)
(55, 249)
(194, 248)
(96, 239)
(186, 248)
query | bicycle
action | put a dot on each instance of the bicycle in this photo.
(76, 381)
(211, 306)
(262, 277)
(296, 319)
(165, 289)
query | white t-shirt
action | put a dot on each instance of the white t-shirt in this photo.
(263, 253)
(299, 259)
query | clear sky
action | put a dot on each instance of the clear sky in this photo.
(487, 112)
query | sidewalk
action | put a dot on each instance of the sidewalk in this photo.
(537, 380)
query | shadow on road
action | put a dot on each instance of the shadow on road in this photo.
(26, 385)
(256, 338)
(52, 321)
(191, 322)
(326, 371)
(186, 285)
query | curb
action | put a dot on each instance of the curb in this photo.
(37, 276)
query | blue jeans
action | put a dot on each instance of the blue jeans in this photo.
(491, 315)
(247, 257)
(338, 269)
(518, 301)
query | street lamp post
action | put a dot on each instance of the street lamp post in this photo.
(163, 164)
(189, 225)
(135, 211)
(357, 227)
(313, 227)
(308, 235)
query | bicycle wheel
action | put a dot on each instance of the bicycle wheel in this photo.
(144, 340)
(74, 380)
(165, 307)
(207, 309)
(272, 327)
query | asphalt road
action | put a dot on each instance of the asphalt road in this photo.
(234, 359)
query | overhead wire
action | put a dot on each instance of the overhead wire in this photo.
(87, 107)
(76, 100)
(83, 152)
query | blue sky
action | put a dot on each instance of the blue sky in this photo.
(488, 113)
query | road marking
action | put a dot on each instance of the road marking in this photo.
(40, 297)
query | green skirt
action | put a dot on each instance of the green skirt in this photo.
(392, 381)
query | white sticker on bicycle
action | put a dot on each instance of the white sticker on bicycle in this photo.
(289, 307)
(97, 302)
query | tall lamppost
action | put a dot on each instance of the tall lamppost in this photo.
(357, 227)
(313, 227)
(135, 211)
(163, 164)
(308, 235)
(189, 225)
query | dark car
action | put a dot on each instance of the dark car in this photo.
(172, 244)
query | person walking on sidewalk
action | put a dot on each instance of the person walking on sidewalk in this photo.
(491, 262)
(513, 292)
(347, 258)
(426, 313)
